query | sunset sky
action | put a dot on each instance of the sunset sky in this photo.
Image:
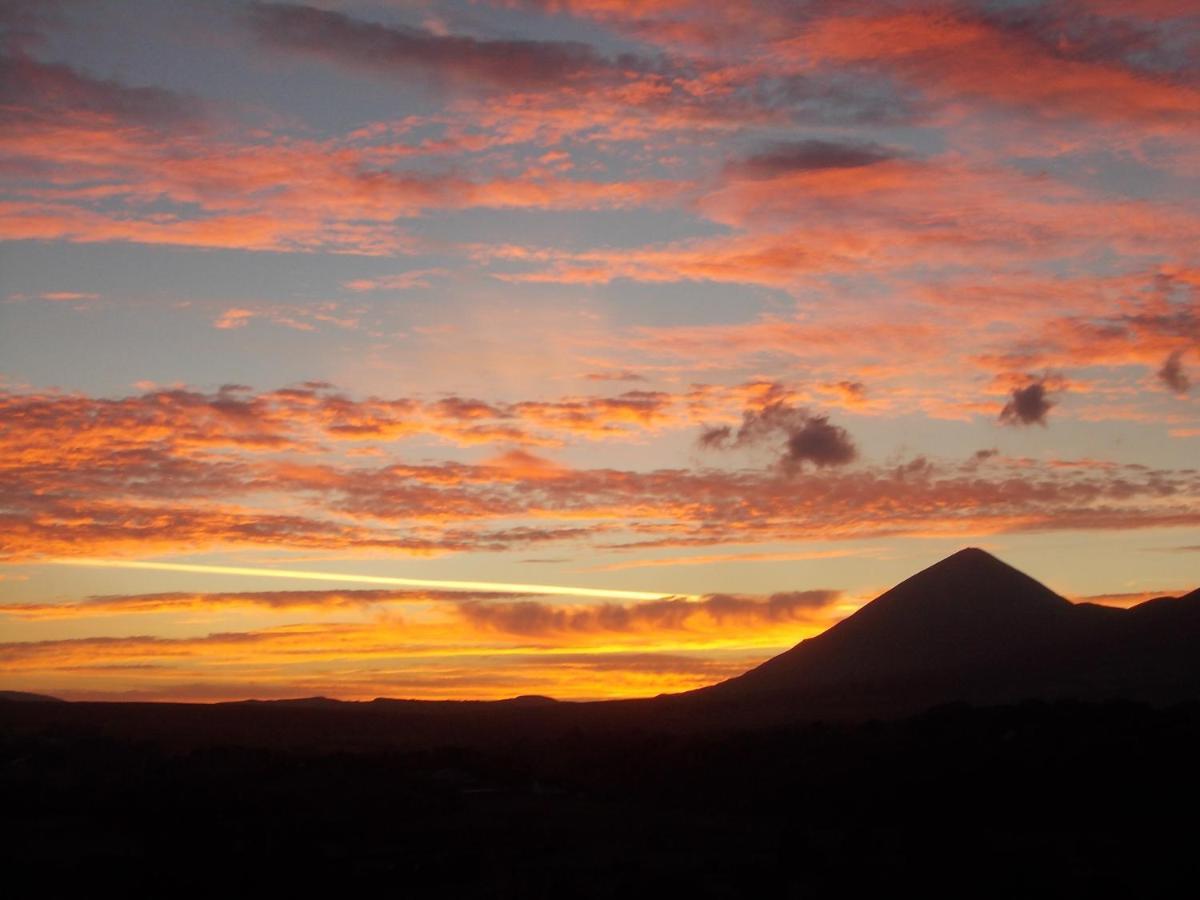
(750, 309)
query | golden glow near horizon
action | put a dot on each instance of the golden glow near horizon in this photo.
(498, 587)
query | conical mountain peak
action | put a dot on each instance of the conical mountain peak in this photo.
(970, 580)
(972, 562)
(969, 556)
(961, 612)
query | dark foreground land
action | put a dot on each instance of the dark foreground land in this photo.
(1025, 799)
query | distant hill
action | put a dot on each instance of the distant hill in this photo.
(25, 697)
(972, 628)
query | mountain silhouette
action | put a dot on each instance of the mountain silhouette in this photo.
(972, 628)
(965, 611)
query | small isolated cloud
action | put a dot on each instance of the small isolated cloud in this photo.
(808, 438)
(300, 318)
(233, 318)
(1172, 375)
(1028, 405)
(916, 468)
(69, 296)
(623, 375)
(404, 281)
(820, 443)
(715, 438)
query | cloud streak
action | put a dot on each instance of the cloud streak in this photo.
(718, 611)
(465, 62)
(358, 578)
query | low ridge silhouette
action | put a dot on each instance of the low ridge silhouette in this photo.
(26, 697)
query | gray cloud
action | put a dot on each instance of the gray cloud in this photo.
(1172, 374)
(808, 438)
(821, 443)
(812, 155)
(1028, 405)
(471, 62)
(34, 94)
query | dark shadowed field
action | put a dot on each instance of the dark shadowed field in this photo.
(1033, 798)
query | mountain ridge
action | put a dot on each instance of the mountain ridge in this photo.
(973, 628)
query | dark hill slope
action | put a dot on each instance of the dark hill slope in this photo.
(974, 628)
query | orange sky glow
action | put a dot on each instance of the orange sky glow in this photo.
(478, 348)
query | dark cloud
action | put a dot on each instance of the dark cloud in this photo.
(917, 467)
(717, 437)
(472, 62)
(466, 408)
(20, 25)
(840, 98)
(1172, 375)
(1028, 405)
(821, 443)
(1072, 34)
(533, 617)
(761, 424)
(775, 608)
(812, 155)
(35, 94)
(808, 438)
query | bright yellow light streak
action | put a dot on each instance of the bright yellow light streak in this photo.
(498, 587)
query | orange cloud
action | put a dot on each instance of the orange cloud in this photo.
(722, 558)
(103, 151)
(176, 468)
(1037, 64)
